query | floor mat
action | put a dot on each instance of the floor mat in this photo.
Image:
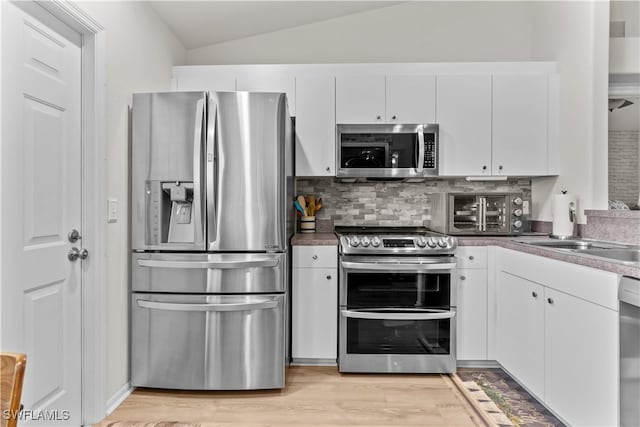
(518, 407)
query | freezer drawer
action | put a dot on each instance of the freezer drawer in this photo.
(209, 273)
(208, 342)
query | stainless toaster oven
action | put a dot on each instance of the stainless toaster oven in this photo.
(479, 213)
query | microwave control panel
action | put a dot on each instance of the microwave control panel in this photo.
(430, 154)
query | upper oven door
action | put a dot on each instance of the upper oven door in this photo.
(397, 282)
(386, 151)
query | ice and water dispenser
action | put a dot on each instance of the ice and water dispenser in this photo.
(171, 211)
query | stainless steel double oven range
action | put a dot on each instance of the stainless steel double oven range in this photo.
(397, 300)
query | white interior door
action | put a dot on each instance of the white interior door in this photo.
(41, 191)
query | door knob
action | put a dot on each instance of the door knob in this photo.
(74, 236)
(75, 253)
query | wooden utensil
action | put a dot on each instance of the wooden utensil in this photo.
(303, 204)
(312, 205)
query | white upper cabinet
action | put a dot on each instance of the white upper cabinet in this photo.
(315, 126)
(360, 99)
(520, 108)
(269, 81)
(463, 113)
(390, 99)
(410, 99)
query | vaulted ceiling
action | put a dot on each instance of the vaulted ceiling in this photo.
(202, 23)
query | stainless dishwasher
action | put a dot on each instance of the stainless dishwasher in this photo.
(629, 352)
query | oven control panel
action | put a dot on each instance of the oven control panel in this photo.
(380, 244)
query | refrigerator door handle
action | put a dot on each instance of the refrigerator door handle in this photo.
(212, 123)
(258, 305)
(264, 263)
(197, 171)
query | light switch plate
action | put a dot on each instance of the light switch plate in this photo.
(112, 210)
(525, 207)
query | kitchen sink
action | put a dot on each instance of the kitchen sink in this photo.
(562, 244)
(625, 255)
(573, 244)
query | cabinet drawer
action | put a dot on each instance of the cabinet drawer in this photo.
(315, 256)
(472, 257)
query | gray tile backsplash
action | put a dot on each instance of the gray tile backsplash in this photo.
(393, 203)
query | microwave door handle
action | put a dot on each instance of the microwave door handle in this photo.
(212, 122)
(171, 306)
(420, 166)
(197, 171)
(382, 315)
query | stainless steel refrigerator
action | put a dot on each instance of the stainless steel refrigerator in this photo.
(211, 218)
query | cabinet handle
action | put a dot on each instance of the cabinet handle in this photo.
(484, 168)
(463, 277)
(500, 167)
(470, 257)
(315, 257)
(393, 118)
(328, 169)
(534, 294)
(550, 300)
(378, 117)
(329, 277)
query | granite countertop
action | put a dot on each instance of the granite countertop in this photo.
(315, 239)
(510, 242)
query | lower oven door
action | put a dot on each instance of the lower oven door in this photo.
(208, 342)
(397, 340)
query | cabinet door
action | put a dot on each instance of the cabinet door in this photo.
(314, 313)
(360, 99)
(463, 112)
(472, 314)
(269, 81)
(520, 124)
(581, 360)
(520, 330)
(411, 99)
(315, 126)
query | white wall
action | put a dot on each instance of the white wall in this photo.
(576, 35)
(140, 54)
(408, 32)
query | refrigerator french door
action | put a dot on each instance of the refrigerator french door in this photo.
(212, 174)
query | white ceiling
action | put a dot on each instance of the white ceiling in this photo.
(201, 23)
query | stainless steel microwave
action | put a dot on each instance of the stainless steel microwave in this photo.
(387, 150)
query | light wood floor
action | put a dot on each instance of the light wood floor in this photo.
(318, 396)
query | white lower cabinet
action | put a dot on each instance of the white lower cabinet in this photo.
(520, 325)
(471, 328)
(314, 306)
(581, 375)
(562, 346)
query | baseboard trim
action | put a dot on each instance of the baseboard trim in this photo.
(478, 364)
(118, 397)
(313, 362)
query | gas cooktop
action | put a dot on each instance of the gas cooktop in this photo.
(377, 240)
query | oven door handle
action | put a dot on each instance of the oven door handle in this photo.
(435, 267)
(382, 315)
